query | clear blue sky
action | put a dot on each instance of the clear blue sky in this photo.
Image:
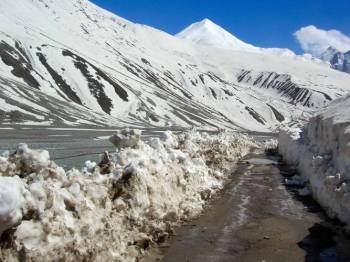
(260, 22)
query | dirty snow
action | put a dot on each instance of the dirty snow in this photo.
(150, 188)
(321, 152)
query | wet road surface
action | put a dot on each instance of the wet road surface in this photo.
(257, 218)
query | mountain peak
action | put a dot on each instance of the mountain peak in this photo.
(332, 48)
(206, 32)
(206, 22)
(329, 53)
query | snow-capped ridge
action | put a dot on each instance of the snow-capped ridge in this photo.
(329, 54)
(208, 33)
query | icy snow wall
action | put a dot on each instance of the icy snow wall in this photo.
(321, 152)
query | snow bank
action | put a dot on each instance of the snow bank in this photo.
(149, 189)
(321, 152)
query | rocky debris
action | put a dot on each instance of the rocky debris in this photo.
(106, 166)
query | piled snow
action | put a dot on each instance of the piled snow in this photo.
(321, 152)
(112, 217)
(126, 138)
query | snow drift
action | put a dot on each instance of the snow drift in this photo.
(115, 216)
(321, 152)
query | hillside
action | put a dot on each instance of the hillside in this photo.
(70, 63)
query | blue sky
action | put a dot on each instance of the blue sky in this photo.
(259, 22)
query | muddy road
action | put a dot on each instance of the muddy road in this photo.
(258, 218)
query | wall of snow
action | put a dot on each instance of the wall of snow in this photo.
(143, 193)
(321, 152)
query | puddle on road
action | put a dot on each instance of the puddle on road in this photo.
(262, 161)
(321, 244)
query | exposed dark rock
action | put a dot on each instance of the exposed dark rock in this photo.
(213, 92)
(341, 62)
(278, 115)
(61, 83)
(283, 84)
(21, 67)
(255, 115)
(96, 87)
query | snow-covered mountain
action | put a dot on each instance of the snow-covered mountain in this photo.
(71, 63)
(341, 61)
(337, 59)
(208, 33)
(328, 54)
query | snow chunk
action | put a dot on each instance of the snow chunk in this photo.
(11, 201)
(126, 138)
(89, 167)
(169, 139)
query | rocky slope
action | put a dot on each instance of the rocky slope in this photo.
(337, 59)
(341, 62)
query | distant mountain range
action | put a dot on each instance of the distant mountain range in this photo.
(338, 60)
(71, 63)
(210, 34)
